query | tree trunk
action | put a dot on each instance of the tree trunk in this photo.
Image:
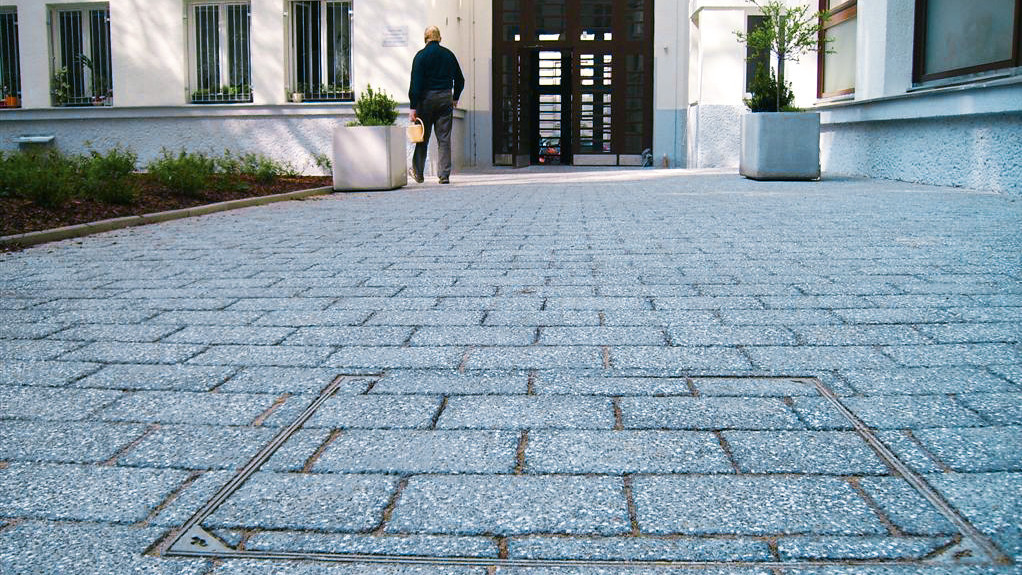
(780, 79)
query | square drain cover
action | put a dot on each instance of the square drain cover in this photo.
(627, 471)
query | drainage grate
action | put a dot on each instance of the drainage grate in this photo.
(506, 516)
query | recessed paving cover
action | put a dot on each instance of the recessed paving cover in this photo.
(680, 471)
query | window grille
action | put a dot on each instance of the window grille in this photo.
(82, 74)
(321, 51)
(220, 39)
(10, 67)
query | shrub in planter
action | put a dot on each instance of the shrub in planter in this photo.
(375, 109)
(369, 154)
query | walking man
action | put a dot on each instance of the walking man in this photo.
(436, 85)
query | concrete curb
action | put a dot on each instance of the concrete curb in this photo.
(81, 230)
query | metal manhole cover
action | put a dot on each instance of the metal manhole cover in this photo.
(697, 471)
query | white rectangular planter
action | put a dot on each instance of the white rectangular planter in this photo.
(369, 158)
(780, 146)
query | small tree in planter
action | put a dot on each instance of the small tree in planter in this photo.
(785, 145)
(369, 153)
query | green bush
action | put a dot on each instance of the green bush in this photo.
(764, 93)
(106, 177)
(47, 178)
(375, 109)
(185, 173)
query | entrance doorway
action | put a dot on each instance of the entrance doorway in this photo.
(573, 90)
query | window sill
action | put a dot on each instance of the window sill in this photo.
(995, 96)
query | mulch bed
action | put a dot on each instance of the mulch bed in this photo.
(18, 215)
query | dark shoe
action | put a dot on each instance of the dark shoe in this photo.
(417, 177)
(445, 180)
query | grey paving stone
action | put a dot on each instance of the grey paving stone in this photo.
(924, 381)
(449, 382)
(301, 380)
(37, 547)
(398, 303)
(396, 357)
(626, 451)
(606, 335)
(730, 570)
(905, 569)
(708, 334)
(64, 441)
(190, 407)
(527, 412)
(1012, 373)
(538, 357)
(215, 318)
(762, 413)
(598, 382)
(344, 503)
(92, 316)
(427, 317)
(263, 355)
(997, 408)
(224, 335)
(543, 318)
(597, 303)
(511, 505)
(439, 451)
(975, 449)
(990, 501)
(638, 549)
(29, 330)
(807, 452)
(908, 450)
(700, 505)
(35, 350)
(473, 335)
(813, 359)
(84, 493)
(349, 335)
(504, 303)
(404, 545)
(716, 359)
(117, 352)
(778, 317)
(708, 302)
(280, 303)
(859, 335)
(44, 373)
(954, 354)
(845, 548)
(814, 301)
(974, 332)
(372, 412)
(156, 377)
(754, 386)
(53, 403)
(887, 412)
(130, 333)
(896, 316)
(905, 507)
(198, 447)
(696, 319)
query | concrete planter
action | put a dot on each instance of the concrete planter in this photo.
(780, 146)
(369, 158)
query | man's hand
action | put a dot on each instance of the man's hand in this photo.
(412, 116)
(455, 103)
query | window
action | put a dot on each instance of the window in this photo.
(220, 43)
(81, 56)
(836, 62)
(10, 67)
(321, 50)
(955, 38)
(754, 61)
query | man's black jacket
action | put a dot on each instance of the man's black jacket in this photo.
(434, 68)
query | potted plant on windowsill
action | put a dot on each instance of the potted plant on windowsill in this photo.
(780, 142)
(369, 153)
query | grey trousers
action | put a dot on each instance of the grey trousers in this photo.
(436, 110)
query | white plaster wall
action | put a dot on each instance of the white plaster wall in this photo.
(269, 49)
(33, 35)
(372, 63)
(977, 152)
(670, 83)
(147, 42)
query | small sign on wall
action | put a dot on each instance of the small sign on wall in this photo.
(395, 36)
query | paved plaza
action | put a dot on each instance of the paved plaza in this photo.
(534, 372)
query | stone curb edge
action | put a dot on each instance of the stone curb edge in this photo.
(81, 230)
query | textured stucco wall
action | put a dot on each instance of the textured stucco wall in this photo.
(978, 152)
(715, 136)
(295, 140)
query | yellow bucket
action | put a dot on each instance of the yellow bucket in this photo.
(416, 132)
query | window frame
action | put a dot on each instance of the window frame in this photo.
(839, 14)
(12, 97)
(331, 94)
(88, 96)
(919, 75)
(223, 54)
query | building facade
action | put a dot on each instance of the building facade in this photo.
(921, 90)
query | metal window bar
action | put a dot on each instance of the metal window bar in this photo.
(239, 54)
(100, 81)
(10, 61)
(207, 54)
(83, 77)
(223, 56)
(321, 37)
